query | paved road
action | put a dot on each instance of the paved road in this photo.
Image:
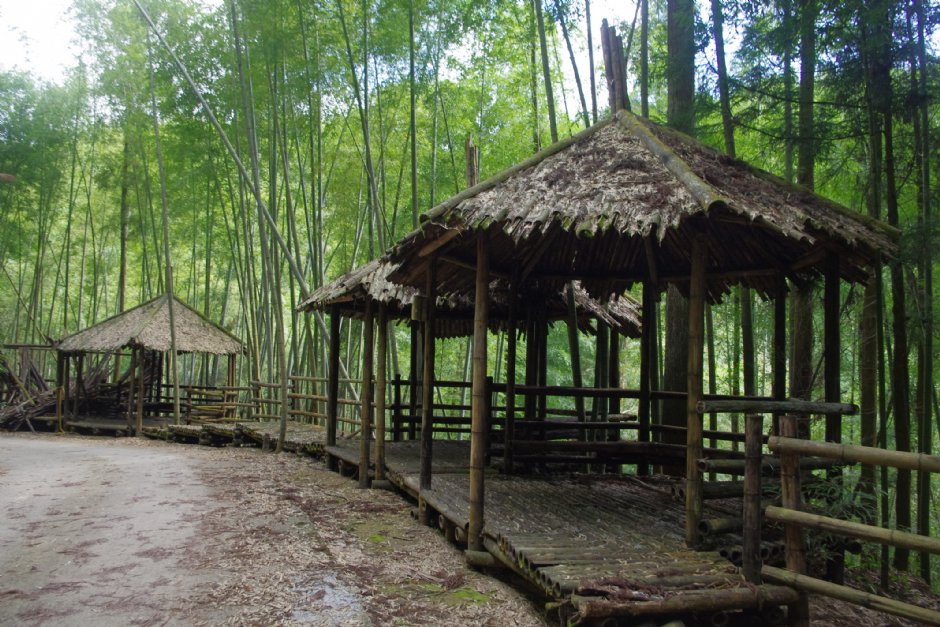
(90, 532)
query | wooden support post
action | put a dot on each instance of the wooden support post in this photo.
(417, 350)
(396, 413)
(332, 385)
(141, 380)
(131, 391)
(60, 390)
(694, 443)
(542, 333)
(365, 407)
(479, 403)
(79, 384)
(780, 348)
(380, 393)
(427, 380)
(791, 497)
(531, 363)
(751, 560)
(230, 396)
(646, 346)
(509, 427)
(67, 395)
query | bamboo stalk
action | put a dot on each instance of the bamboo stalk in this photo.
(856, 454)
(380, 393)
(479, 400)
(844, 593)
(892, 537)
(695, 601)
(791, 495)
(752, 493)
(694, 443)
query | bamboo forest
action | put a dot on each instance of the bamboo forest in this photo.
(632, 302)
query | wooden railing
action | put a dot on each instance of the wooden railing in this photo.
(795, 519)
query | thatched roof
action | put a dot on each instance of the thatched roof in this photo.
(454, 317)
(148, 326)
(603, 204)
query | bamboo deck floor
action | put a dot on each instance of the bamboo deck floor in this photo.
(607, 545)
(301, 438)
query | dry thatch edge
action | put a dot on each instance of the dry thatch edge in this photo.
(156, 308)
(873, 223)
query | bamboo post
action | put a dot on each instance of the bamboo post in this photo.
(542, 332)
(365, 408)
(332, 386)
(427, 380)
(531, 363)
(380, 393)
(780, 349)
(751, 560)
(67, 396)
(417, 350)
(694, 443)
(131, 390)
(231, 397)
(832, 348)
(478, 397)
(509, 428)
(646, 346)
(141, 369)
(59, 372)
(798, 612)
(79, 384)
(396, 413)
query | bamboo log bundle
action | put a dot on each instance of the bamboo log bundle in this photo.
(850, 453)
(844, 593)
(716, 526)
(689, 602)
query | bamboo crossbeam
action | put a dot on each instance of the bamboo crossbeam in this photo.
(794, 406)
(857, 454)
(892, 537)
(844, 593)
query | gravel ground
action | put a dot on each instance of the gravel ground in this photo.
(135, 532)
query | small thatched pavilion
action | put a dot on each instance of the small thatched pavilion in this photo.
(367, 293)
(145, 330)
(625, 202)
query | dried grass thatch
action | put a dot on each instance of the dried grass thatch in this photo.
(148, 326)
(454, 317)
(622, 202)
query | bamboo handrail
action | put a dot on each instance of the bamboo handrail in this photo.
(792, 405)
(857, 454)
(871, 533)
(844, 593)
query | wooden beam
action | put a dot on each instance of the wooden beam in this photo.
(751, 561)
(365, 408)
(694, 443)
(479, 401)
(433, 245)
(851, 453)
(792, 406)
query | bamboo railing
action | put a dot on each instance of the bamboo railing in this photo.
(795, 520)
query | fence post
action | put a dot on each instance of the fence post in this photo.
(798, 612)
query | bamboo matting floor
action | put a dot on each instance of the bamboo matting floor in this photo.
(609, 545)
(301, 438)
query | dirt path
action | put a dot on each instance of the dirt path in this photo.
(128, 532)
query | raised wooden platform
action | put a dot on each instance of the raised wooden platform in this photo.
(301, 438)
(604, 545)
